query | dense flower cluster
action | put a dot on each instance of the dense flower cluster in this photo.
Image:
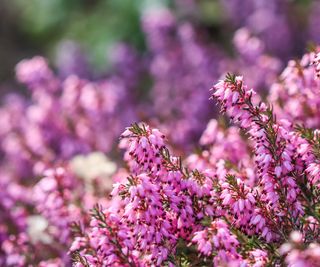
(230, 215)
(192, 188)
(295, 96)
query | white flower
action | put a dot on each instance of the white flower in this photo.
(36, 229)
(93, 165)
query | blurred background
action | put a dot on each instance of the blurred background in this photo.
(44, 27)
(164, 53)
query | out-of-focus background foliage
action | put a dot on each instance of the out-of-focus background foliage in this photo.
(30, 27)
(40, 27)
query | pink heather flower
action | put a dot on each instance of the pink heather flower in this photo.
(156, 205)
(15, 248)
(316, 63)
(314, 171)
(217, 238)
(258, 258)
(56, 197)
(296, 255)
(239, 199)
(220, 143)
(294, 97)
(36, 74)
(273, 169)
(144, 149)
(52, 263)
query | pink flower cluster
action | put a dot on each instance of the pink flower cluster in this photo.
(223, 206)
(294, 97)
(64, 117)
(247, 195)
(152, 209)
(218, 237)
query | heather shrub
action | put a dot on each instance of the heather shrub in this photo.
(145, 165)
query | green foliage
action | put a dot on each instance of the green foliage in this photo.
(230, 78)
(98, 214)
(138, 130)
(96, 24)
